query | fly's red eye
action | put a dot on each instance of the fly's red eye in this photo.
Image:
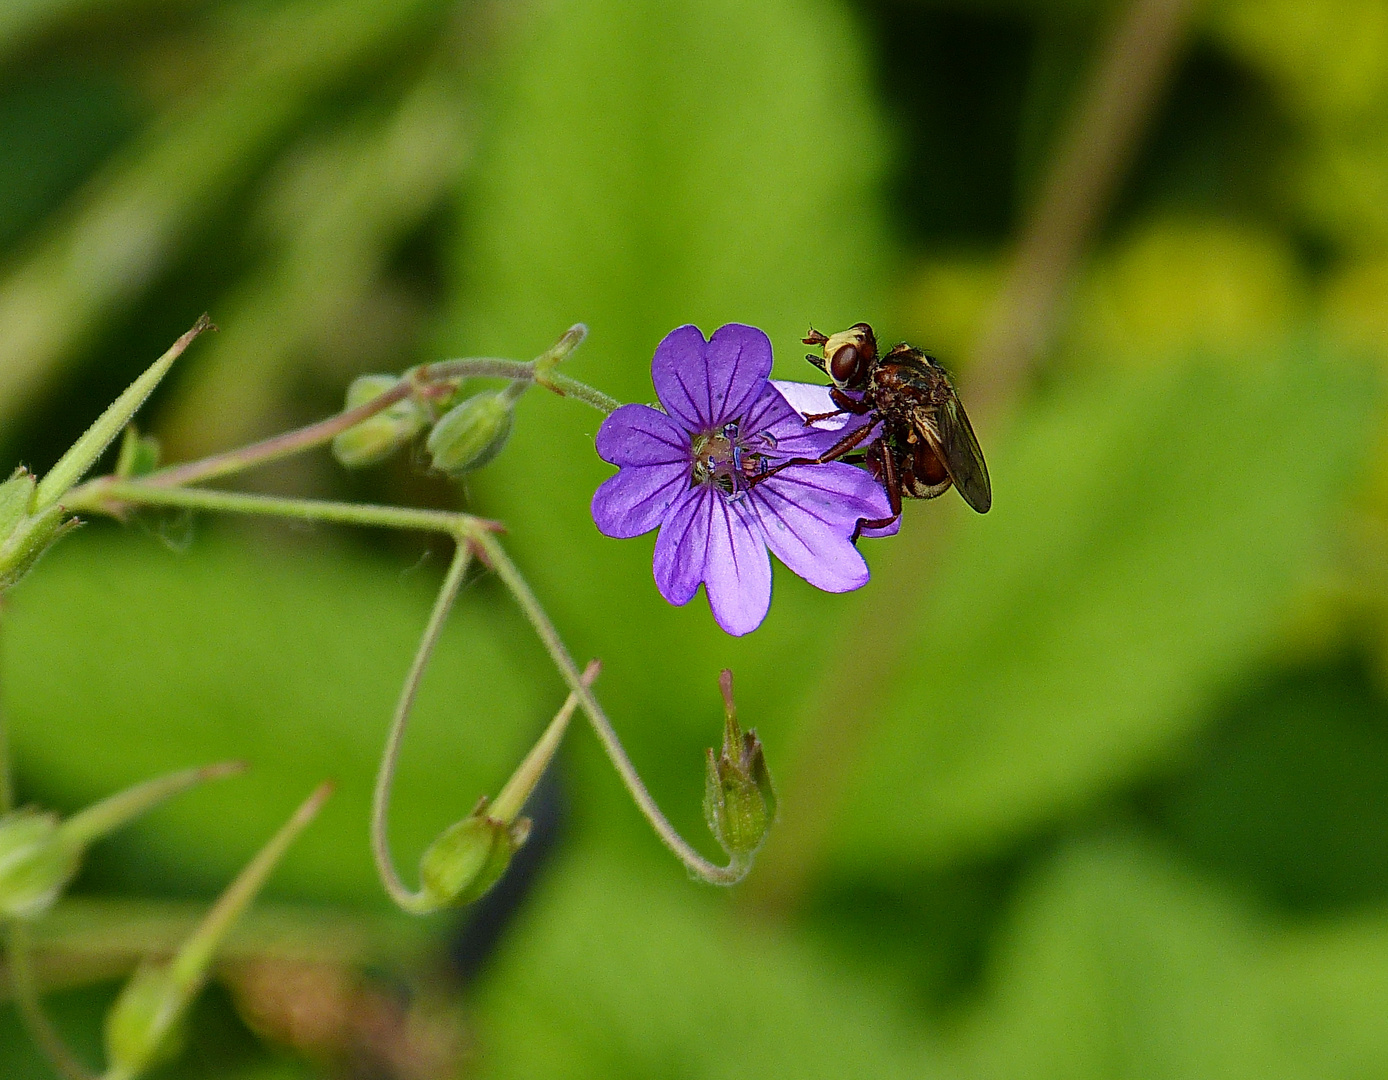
(844, 365)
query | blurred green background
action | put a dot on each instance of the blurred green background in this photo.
(1094, 786)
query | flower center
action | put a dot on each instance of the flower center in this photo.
(722, 458)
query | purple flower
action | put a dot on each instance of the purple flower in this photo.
(696, 472)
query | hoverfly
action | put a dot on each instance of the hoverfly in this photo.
(926, 442)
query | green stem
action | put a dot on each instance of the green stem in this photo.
(189, 966)
(110, 496)
(414, 902)
(26, 997)
(511, 801)
(602, 727)
(421, 380)
(109, 814)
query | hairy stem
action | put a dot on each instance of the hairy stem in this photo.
(424, 380)
(380, 799)
(110, 496)
(696, 864)
(36, 1021)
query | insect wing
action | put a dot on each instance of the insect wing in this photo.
(962, 454)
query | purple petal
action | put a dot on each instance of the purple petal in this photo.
(640, 435)
(681, 549)
(790, 436)
(638, 498)
(737, 575)
(809, 398)
(739, 362)
(808, 513)
(706, 384)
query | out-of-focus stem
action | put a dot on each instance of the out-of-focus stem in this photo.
(1132, 69)
(700, 867)
(1109, 115)
(36, 1021)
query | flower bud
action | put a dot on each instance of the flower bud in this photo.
(471, 433)
(739, 798)
(144, 1026)
(39, 855)
(375, 439)
(25, 535)
(36, 863)
(468, 858)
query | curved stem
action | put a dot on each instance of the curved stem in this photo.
(697, 865)
(36, 1021)
(380, 799)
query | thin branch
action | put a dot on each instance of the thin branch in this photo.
(110, 496)
(697, 865)
(36, 1021)
(1132, 69)
(380, 798)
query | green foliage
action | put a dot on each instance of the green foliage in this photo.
(289, 663)
(620, 973)
(1146, 536)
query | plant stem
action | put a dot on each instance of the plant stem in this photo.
(422, 380)
(696, 864)
(26, 997)
(511, 800)
(413, 902)
(110, 496)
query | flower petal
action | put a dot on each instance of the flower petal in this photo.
(809, 398)
(738, 362)
(638, 498)
(640, 435)
(775, 415)
(808, 513)
(679, 371)
(681, 549)
(737, 575)
(707, 384)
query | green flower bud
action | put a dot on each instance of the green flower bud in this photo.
(39, 855)
(375, 439)
(468, 858)
(24, 535)
(471, 433)
(36, 863)
(739, 798)
(144, 1026)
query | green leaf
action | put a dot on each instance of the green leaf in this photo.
(146, 204)
(1119, 965)
(125, 661)
(1146, 536)
(620, 973)
(652, 164)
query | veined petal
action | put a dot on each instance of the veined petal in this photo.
(737, 574)
(679, 373)
(775, 420)
(640, 435)
(638, 498)
(705, 384)
(681, 549)
(808, 513)
(738, 361)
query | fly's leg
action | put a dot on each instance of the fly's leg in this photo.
(885, 464)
